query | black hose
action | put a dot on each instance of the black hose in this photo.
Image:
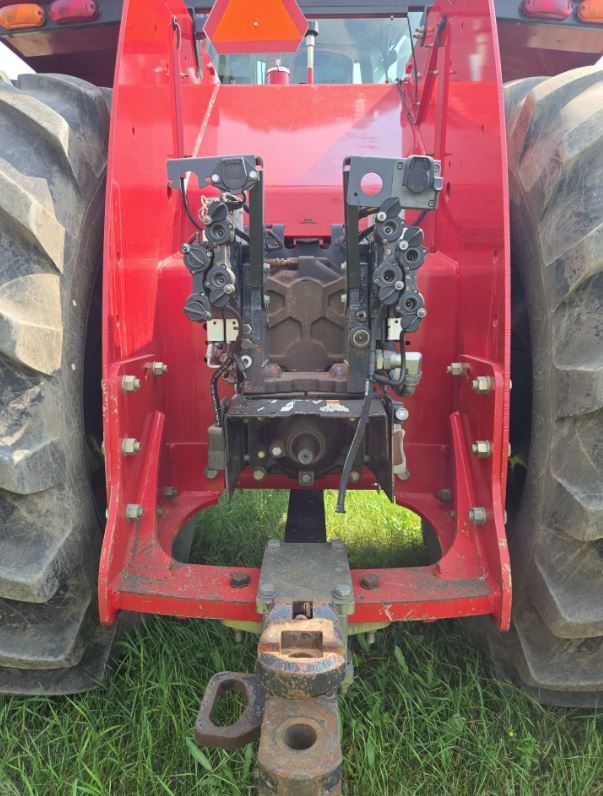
(187, 209)
(363, 418)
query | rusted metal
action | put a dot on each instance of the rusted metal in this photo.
(247, 727)
(301, 656)
(300, 748)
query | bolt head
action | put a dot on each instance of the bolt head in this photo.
(370, 582)
(445, 495)
(306, 478)
(185, 248)
(134, 511)
(130, 446)
(228, 289)
(399, 285)
(401, 414)
(170, 492)
(206, 220)
(130, 383)
(276, 451)
(477, 515)
(455, 369)
(157, 368)
(482, 385)
(381, 216)
(481, 448)
(342, 592)
(403, 245)
(421, 313)
(238, 580)
(354, 476)
(253, 175)
(259, 473)
(267, 589)
(215, 178)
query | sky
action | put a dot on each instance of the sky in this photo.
(11, 64)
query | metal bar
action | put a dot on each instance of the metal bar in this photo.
(306, 516)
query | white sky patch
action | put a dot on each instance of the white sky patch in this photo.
(11, 64)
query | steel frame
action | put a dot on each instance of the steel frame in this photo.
(162, 108)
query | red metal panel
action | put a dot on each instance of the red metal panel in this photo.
(162, 109)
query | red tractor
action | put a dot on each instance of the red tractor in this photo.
(323, 264)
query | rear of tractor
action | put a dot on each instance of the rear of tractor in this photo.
(308, 282)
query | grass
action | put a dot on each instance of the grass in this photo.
(423, 716)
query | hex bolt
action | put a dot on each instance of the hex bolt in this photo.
(130, 383)
(342, 592)
(273, 544)
(477, 515)
(261, 454)
(399, 285)
(403, 245)
(381, 216)
(238, 580)
(253, 175)
(276, 450)
(157, 368)
(267, 590)
(370, 582)
(206, 220)
(130, 446)
(259, 473)
(337, 544)
(455, 369)
(170, 492)
(134, 511)
(481, 448)
(422, 313)
(401, 413)
(215, 178)
(185, 248)
(354, 476)
(482, 385)
(306, 478)
(228, 289)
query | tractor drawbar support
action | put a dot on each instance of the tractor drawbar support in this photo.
(305, 596)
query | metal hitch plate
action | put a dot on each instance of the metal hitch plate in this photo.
(247, 727)
(300, 748)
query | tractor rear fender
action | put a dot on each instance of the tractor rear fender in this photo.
(166, 105)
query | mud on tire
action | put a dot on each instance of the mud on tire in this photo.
(54, 132)
(555, 140)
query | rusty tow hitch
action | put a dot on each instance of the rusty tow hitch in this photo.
(305, 595)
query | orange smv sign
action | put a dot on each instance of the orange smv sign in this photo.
(260, 26)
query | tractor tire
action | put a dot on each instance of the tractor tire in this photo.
(54, 132)
(555, 144)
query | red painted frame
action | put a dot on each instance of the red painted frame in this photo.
(162, 109)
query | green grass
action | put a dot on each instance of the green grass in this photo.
(424, 715)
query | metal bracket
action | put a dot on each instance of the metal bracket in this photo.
(395, 175)
(247, 727)
(235, 174)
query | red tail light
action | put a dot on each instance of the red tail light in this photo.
(66, 11)
(547, 9)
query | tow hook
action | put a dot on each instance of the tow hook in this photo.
(305, 595)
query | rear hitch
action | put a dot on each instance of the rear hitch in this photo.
(305, 595)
